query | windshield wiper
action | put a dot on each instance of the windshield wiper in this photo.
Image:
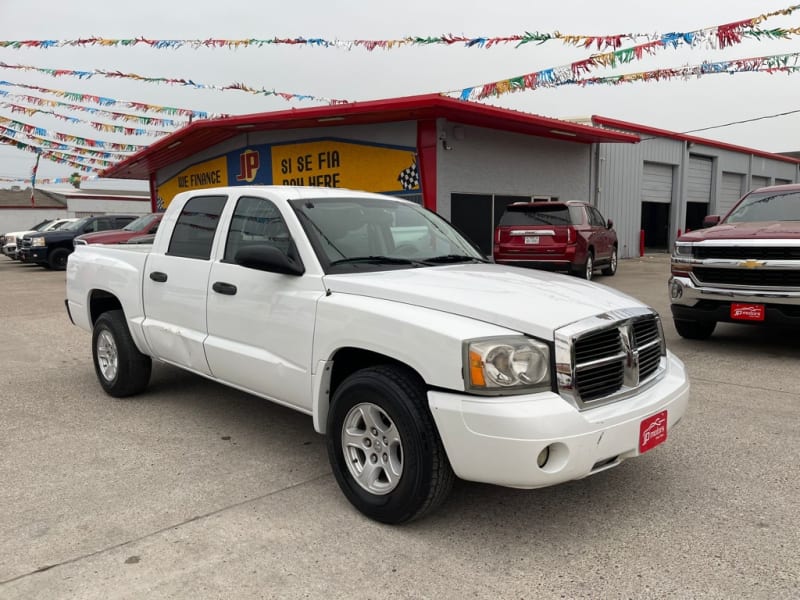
(453, 258)
(378, 260)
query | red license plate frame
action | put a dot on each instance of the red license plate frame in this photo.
(652, 431)
(741, 311)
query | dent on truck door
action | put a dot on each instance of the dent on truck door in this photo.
(261, 324)
(175, 283)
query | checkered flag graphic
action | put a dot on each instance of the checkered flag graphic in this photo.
(409, 178)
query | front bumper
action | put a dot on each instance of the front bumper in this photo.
(691, 301)
(497, 440)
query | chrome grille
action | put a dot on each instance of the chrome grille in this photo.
(609, 357)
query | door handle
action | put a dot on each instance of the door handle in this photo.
(224, 288)
(158, 276)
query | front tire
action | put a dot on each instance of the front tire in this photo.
(121, 369)
(611, 269)
(383, 446)
(695, 330)
(58, 259)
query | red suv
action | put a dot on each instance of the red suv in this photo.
(562, 236)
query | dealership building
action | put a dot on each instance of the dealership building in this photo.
(467, 161)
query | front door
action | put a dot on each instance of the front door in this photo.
(261, 324)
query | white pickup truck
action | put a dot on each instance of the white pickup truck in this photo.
(416, 357)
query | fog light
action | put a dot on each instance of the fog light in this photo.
(543, 457)
(676, 290)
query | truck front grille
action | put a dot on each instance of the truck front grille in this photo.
(607, 358)
(747, 252)
(764, 278)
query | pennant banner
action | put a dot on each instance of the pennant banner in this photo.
(746, 27)
(106, 127)
(169, 81)
(38, 132)
(48, 181)
(102, 101)
(56, 157)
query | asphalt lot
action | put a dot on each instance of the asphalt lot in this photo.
(193, 490)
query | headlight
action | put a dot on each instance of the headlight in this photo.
(513, 364)
(683, 249)
(38, 242)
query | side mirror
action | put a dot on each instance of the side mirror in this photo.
(711, 220)
(610, 224)
(267, 258)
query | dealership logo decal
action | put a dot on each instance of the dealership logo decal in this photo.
(249, 162)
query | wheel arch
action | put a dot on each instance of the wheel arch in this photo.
(344, 362)
(101, 301)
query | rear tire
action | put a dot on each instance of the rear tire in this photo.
(612, 265)
(58, 259)
(121, 369)
(695, 330)
(383, 446)
(586, 270)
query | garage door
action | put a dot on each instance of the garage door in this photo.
(730, 190)
(698, 188)
(657, 183)
(757, 181)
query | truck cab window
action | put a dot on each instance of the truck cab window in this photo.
(196, 226)
(256, 221)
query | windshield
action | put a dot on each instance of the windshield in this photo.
(373, 233)
(76, 225)
(767, 206)
(40, 226)
(141, 223)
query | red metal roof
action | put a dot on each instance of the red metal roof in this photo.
(635, 127)
(200, 135)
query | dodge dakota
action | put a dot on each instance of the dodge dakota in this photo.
(418, 358)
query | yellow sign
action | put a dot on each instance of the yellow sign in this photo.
(211, 173)
(333, 163)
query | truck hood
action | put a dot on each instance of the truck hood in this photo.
(525, 300)
(113, 236)
(737, 231)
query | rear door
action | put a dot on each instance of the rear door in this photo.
(175, 283)
(535, 229)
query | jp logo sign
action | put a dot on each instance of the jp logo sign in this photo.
(249, 162)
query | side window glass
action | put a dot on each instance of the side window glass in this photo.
(256, 221)
(196, 226)
(597, 218)
(92, 226)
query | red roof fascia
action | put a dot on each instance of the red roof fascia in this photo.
(200, 135)
(644, 129)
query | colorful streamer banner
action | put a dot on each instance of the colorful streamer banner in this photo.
(746, 27)
(106, 127)
(56, 157)
(77, 153)
(33, 177)
(33, 131)
(48, 181)
(103, 101)
(170, 81)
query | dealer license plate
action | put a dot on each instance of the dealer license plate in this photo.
(531, 239)
(652, 431)
(747, 312)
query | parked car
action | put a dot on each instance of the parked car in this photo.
(405, 346)
(563, 236)
(51, 249)
(9, 240)
(144, 225)
(743, 268)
